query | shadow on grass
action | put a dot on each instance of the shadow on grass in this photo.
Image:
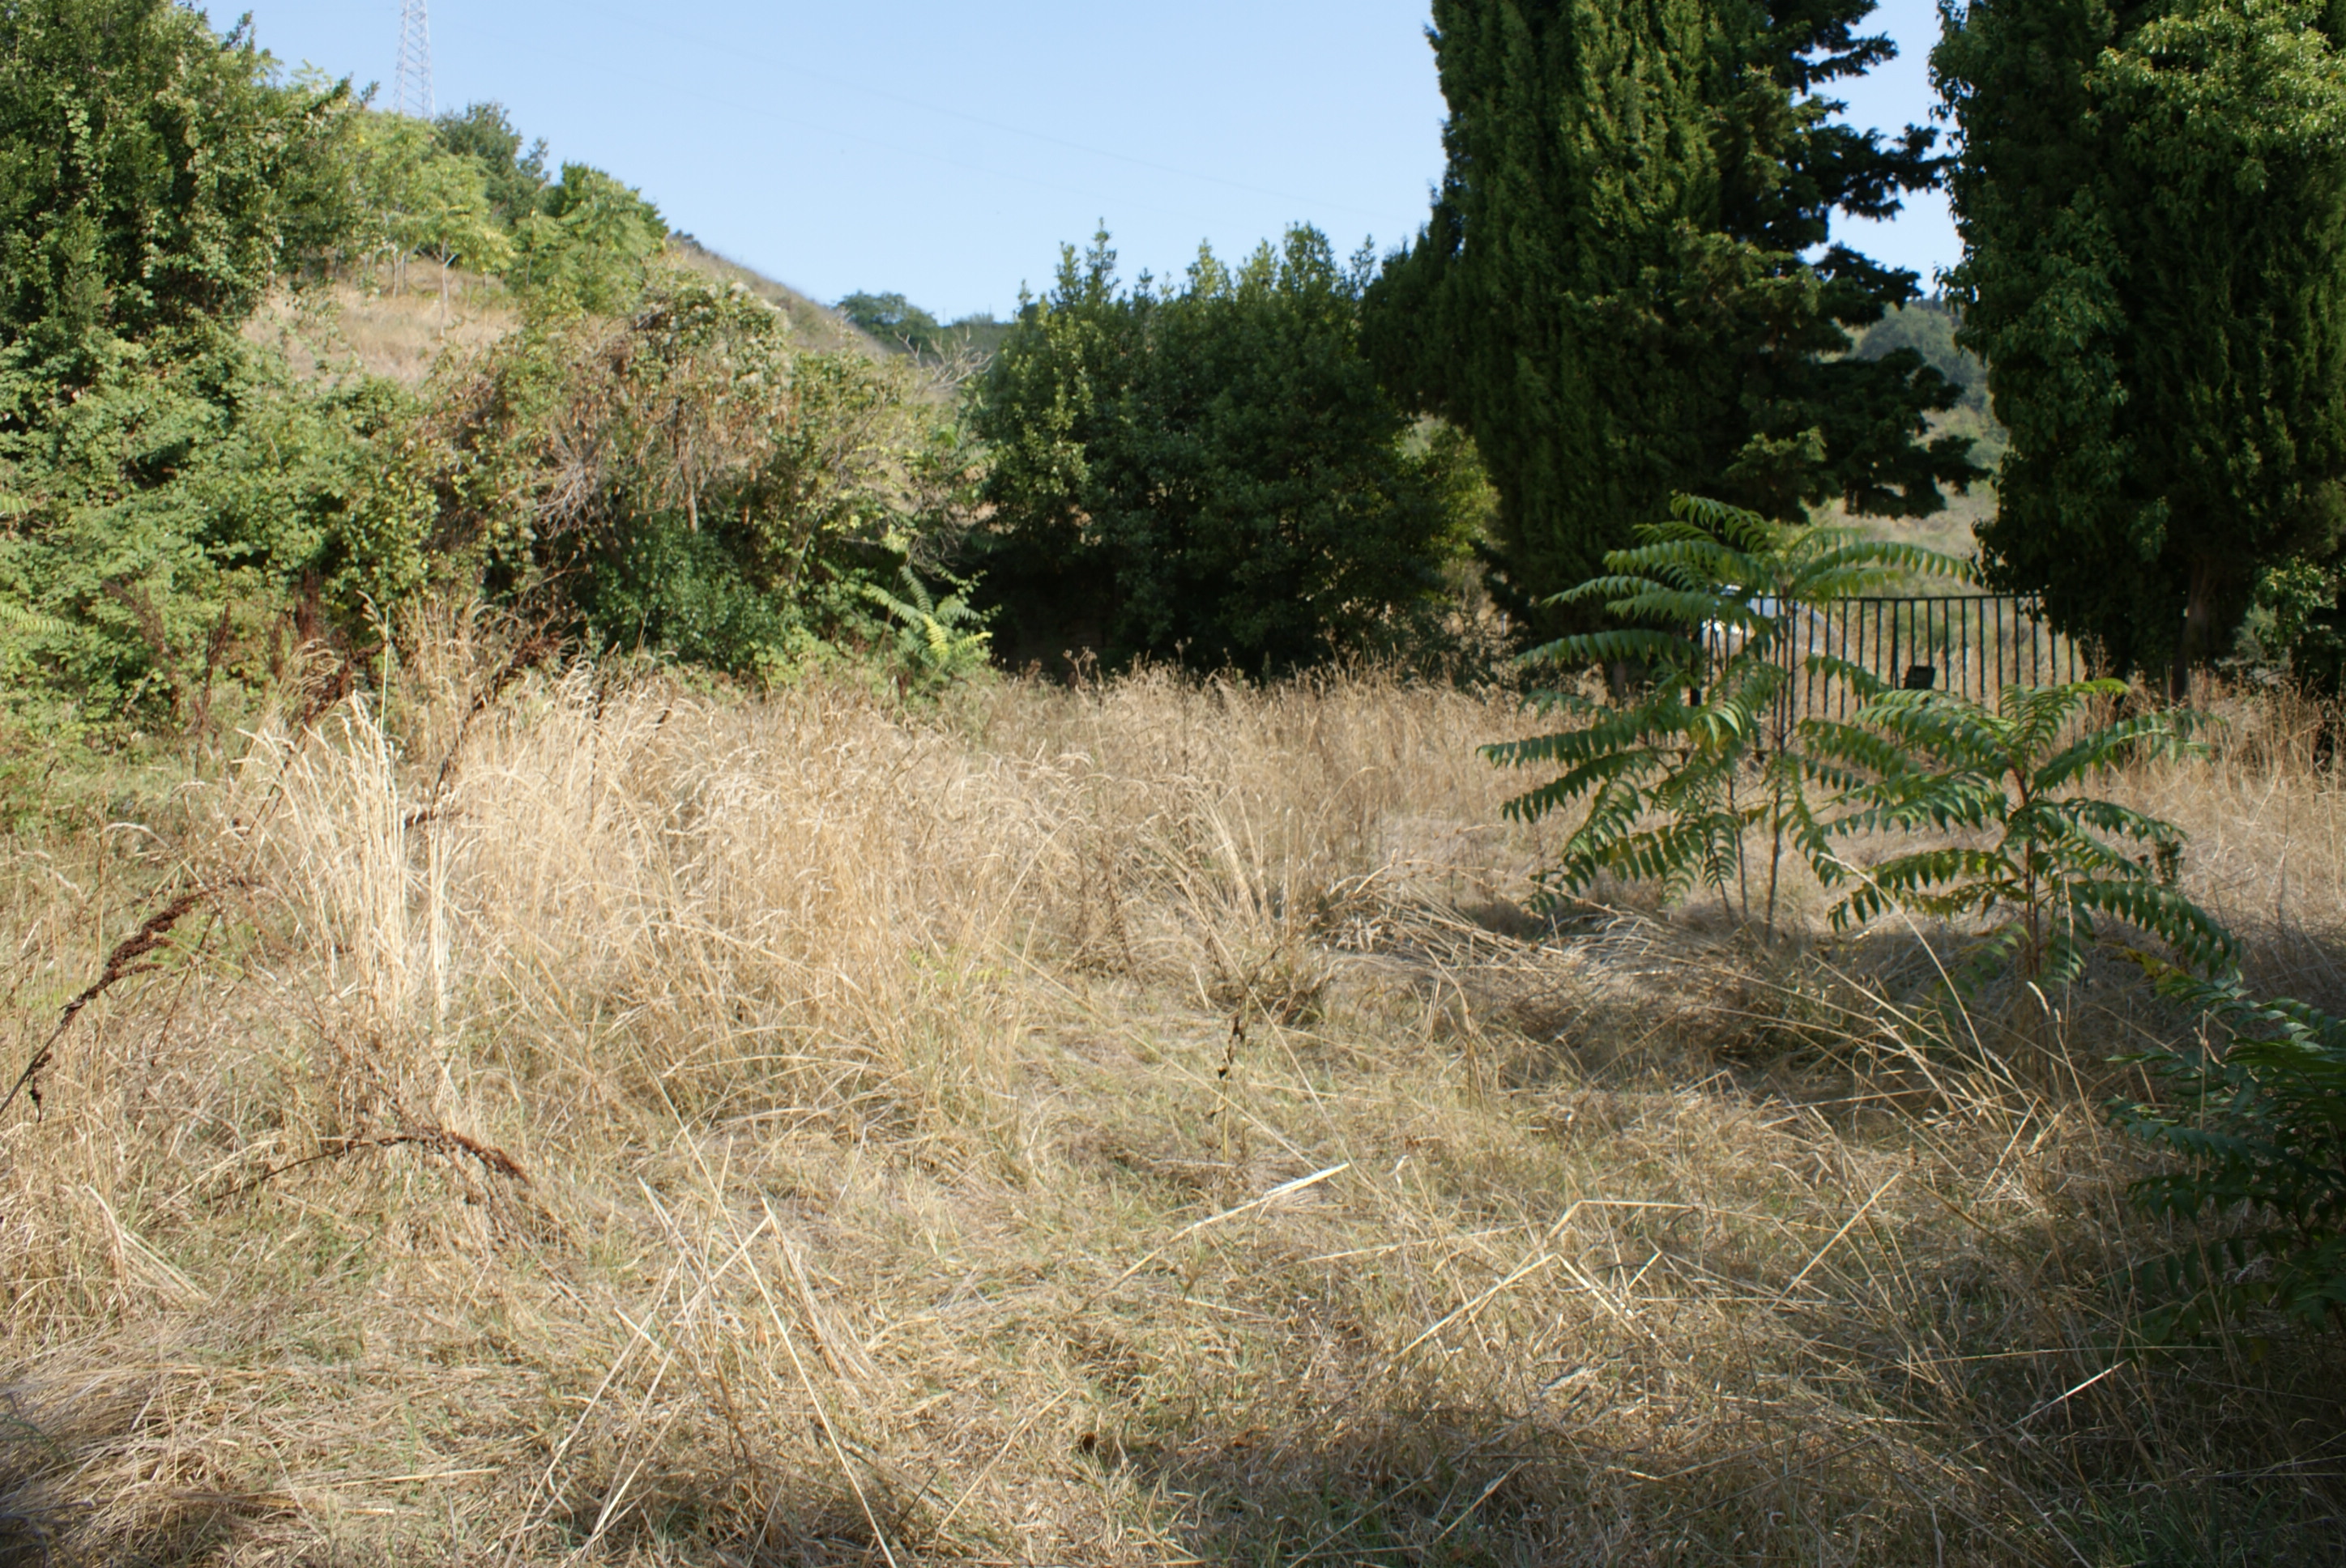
(1454, 1487)
(65, 1437)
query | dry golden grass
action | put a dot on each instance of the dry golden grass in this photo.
(396, 325)
(384, 325)
(1129, 1125)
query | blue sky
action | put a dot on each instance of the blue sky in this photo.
(944, 149)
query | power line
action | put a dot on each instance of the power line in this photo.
(411, 92)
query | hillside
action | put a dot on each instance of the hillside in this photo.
(819, 326)
(385, 327)
(397, 328)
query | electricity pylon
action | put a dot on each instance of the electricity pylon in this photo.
(411, 92)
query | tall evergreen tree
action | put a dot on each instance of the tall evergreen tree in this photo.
(1620, 293)
(2153, 200)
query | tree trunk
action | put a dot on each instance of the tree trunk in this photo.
(2198, 644)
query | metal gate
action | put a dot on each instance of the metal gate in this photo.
(1972, 645)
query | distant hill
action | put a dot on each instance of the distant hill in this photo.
(1928, 327)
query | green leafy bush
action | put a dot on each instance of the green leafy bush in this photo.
(2292, 635)
(418, 198)
(588, 243)
(687, 481)
(516, 180)
(2258, 1119)
(151, 176)
(1208, 474)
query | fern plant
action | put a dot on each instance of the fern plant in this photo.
(2259, 1126)
(1682, 771)
(936, 639)
(2037, 856)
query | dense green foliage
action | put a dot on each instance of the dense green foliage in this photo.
(185, 520)
(148, 180)
(685, 480)
(2153, 197)
(176, 508)
(1614, 295)
(2256, 1116)
(649, 462)
(1209, 472)
(1679, 768)
(513, 180)
(585, 245)
(417, 199)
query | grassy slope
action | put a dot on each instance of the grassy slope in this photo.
(1134, 1124)
(819, 326)
(392, 328)
(399, 327)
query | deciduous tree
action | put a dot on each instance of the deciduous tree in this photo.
(1209, 472)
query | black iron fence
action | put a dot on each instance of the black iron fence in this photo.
(1973, 644)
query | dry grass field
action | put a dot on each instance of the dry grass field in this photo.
(580, 1121)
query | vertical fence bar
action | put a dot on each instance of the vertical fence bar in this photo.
(1877, 633)
(1966, 613)
(1999, 655)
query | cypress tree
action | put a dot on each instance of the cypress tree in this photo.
(1620, 292)
(2153, 199)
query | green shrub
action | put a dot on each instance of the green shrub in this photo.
(587, 244)
(686, 480)
(1209, 474)
(152, 176)
(177, 516)
(2258, 1119)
